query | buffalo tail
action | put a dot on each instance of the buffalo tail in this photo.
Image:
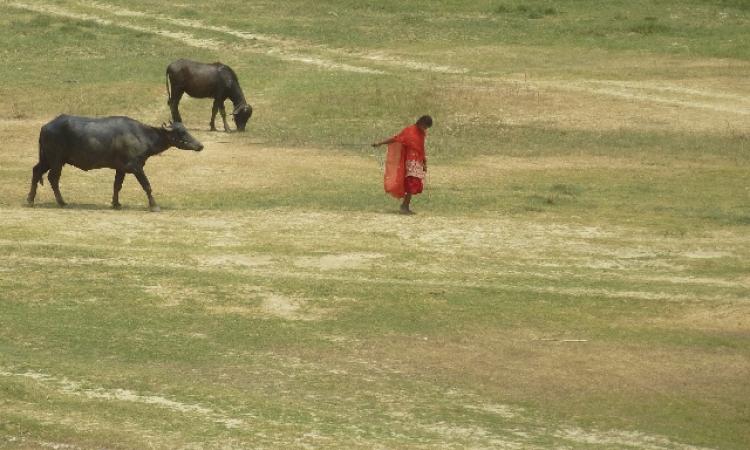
(166, 82)
(41, 155)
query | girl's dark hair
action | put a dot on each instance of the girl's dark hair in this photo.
(425, 120)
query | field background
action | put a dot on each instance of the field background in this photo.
(577, 275)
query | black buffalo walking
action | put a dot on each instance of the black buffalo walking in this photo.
(201, 80)
(118, 143)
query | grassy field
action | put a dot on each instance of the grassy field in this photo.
(577, 275)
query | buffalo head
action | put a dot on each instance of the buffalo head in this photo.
(179, 137)
(241, 115)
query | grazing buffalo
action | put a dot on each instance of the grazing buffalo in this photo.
(119, 143)
(201, 80)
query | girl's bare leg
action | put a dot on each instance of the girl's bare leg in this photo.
(405, 205)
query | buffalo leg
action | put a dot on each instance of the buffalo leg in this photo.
(119, 177)
(36, 178)
(141, 177)
(54, 182)
(174, 103)
(214, 110)
(223, 113)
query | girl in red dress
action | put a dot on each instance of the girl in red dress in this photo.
(413, 162)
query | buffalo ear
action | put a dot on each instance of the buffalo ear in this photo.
(166, 127)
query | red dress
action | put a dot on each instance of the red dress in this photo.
(411, 164)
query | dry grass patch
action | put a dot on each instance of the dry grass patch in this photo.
(600, 105)
(273, 305)
(727, 318)
(517, 366)
(489, 168)
(229, 164)
(341, 261)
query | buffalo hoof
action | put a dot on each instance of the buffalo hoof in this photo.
(116, 206)
(29, 201)
(154, 208)
(62, 204)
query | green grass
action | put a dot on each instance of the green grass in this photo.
(576, 276)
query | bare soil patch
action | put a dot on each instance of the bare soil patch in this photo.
(342, 261)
